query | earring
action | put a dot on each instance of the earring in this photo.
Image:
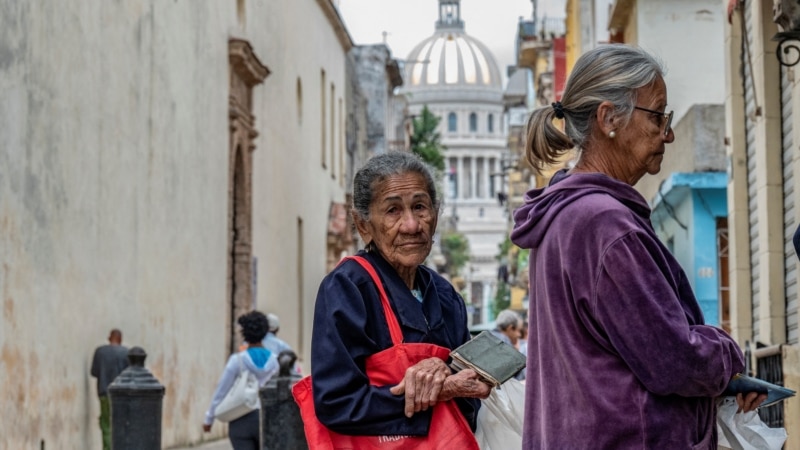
(612, 134)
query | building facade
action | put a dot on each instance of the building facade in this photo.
(687, 195)
(377, 118)
(761, 135)
(165, 167)
(457, 78)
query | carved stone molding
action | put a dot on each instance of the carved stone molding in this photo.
(245, 63)
(246, 71)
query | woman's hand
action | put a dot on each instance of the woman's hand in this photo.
(750, 402)
(422, 384)
(465, 383)
(207, 428)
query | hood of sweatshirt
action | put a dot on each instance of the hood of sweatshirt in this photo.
(259, 360)
(533, 219)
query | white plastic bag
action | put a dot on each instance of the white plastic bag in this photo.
(500, 417)
(745, 431)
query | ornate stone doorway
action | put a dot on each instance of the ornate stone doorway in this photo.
(246, 71)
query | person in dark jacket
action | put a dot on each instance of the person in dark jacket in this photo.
(395, 209)
(107, 363)
(619, 356)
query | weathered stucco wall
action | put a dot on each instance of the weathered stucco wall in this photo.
(112, 207)
(114, 187)
(292, 190)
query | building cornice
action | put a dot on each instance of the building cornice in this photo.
(332, 13)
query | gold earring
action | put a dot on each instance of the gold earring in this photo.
(612, 134)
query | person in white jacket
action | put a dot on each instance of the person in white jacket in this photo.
(244, 431)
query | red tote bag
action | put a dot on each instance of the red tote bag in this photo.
(449, 428)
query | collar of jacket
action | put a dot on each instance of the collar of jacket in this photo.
(410, 313)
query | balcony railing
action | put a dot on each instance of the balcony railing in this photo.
(541, 29)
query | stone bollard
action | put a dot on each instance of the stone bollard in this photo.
(136, 397)
(281, 424)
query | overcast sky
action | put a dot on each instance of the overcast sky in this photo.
(408, 22)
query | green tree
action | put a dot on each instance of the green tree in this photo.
(455, 249)
(426, 141)
(502, 298)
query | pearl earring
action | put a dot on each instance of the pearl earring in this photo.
(612, 134)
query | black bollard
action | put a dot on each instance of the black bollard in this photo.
(136, 397)
(281, 424)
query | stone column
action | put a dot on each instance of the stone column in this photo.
(281, 424)
(487, 177)
(460, 177)
(136, 397)
(473, 177)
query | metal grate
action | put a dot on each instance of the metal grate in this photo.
(769, 367)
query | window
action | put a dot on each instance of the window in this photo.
(299, 95)
(473, 122)
(333, 131)
(490, 123)
(452, 122)
(322, 118)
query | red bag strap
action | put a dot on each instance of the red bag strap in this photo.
(391, 319)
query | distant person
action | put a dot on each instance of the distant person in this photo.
(108, 362)
(244, 432)
(271, 340)
(275, 344)
(508, 327)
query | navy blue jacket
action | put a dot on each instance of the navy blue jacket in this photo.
(349, 326)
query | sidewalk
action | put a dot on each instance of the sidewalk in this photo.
(222, 444)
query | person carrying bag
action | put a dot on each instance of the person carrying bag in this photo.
(236, 399)
(448, 427)
(241, 398)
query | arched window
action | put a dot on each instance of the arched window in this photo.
(490, 123)
(473, 122)
(452, 122)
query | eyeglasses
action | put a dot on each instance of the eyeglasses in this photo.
(667, 116)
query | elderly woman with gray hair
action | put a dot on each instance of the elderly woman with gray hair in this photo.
(619, 355)
(508, 328)
(395, 210)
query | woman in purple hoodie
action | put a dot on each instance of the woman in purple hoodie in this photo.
(619, 356)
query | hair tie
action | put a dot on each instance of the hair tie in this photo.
(559, 109)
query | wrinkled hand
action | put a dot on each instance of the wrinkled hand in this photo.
(749, 402)
(206, 428)
(465, 383)
(422, 384)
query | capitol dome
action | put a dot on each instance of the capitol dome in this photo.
(450, 57)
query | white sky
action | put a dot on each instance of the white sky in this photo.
(408, 22)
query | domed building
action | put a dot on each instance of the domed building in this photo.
(457, 77)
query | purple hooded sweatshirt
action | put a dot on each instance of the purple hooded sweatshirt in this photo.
(618, 354)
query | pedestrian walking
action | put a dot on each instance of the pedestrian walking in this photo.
(107, 363)
(244, 432)
(275, 344)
